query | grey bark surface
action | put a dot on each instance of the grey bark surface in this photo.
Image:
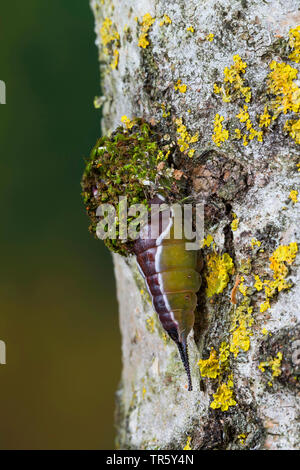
(154, 409)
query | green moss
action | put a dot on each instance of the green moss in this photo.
(132, 162)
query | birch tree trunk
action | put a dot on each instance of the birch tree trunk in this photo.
(247, 319)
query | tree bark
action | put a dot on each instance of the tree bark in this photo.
(246, 185)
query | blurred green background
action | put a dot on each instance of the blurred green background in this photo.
(58, 304)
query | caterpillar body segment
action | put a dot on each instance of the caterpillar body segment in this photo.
(172, 280)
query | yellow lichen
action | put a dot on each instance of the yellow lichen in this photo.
(115, 62)
(254, 243)
(292, 126)
(110, 40)
(243, 114)
(165, 113)
(284, 255)
(210, 367)
(264, 306)
(217, 89)
(265, 118)
(240, 340)
(238, 134)
(150, 324)
(184, 138)
(294, 43)
(281, 84)
(108, 33)
(244, 117)
(240, 329)
(258, 283)
(223, 398)
(274, 364)
(210, 37)
(235, 82)
(216, 363)
(188, 442)
(190, 28)
(143, 41)
(207, 241)
(147, 22)
(128, 123)
(293, 196)
(242, 288)
(180, 86)
(220, 134)
(242, 438)
(224, 352)
(219, 268)
(235, 222)
(166, 20)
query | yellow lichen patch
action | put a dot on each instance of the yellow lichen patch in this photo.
(108, 32)
(210, 37)
(217, 89)
(294, 196)
(281, 84)
(243, 114)
(292, 126)
(244, 117)
(234, 223)
(258, 283)
(254, 243)
(294, 43)
(220, 134)
(223, 398)
(241, 327)
(284, 255)
(180, 86)
(191, 29)
(166, 20)
(128, 123)
(238, 134)
(224, 352)
(115, 62)
(217, 363)
(242, 287)
(184, 138)
(147, 22)
(207, 241)
(241, 438)
(265, 118)
(150, 324)
(188, 444)
(264, 306)
(110, 40)
(265, 331)
(219, 268)
(210, 367)
(234, 83)
(165, 114)
(143, 41)
(144, 391)
(273, 363)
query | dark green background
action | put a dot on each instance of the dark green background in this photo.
(58, 307)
